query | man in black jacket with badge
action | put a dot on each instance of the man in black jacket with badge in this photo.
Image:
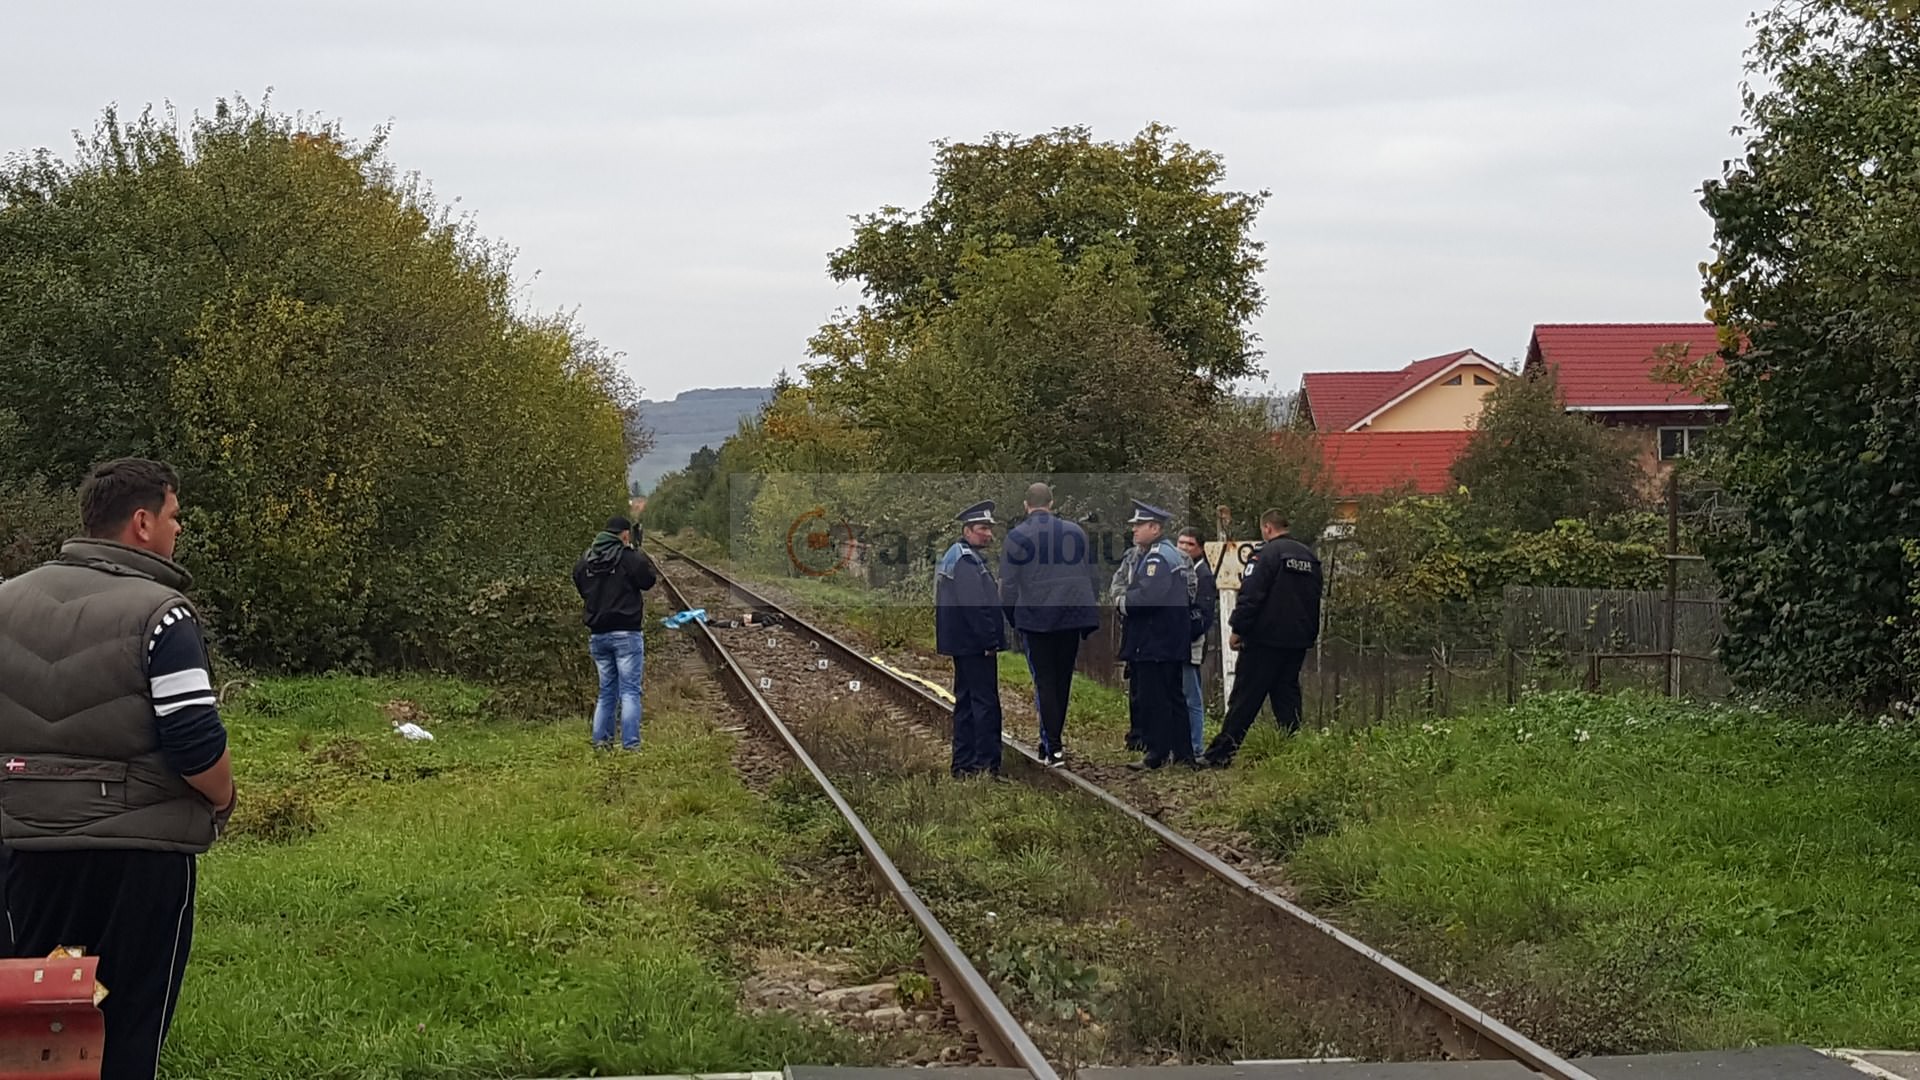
(1275, 620)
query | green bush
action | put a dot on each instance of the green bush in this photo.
(33, 521)
(365, 423)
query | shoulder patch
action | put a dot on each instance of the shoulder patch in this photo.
(1298, 565)
(1153, 566)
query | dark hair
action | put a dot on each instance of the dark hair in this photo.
(115, 489)
(1191, 532)
(1039, 495)
(1274, 518)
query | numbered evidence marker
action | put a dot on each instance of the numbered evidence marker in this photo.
(854, 685)
(766, 683)
(772, 642)
(821, 663)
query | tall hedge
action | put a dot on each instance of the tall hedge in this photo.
(375, 440)
(1817, 238)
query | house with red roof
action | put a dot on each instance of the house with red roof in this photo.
(1361, 463)
(1610, 371)
(1382, 431)
(1395, 430)
(1440, 393)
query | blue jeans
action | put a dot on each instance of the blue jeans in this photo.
(621, 656)
(1196, 709)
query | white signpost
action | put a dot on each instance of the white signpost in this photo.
(1229, 559)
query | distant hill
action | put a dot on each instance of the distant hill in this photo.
(693, 419)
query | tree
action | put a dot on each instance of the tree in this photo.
(1153, 201)
(1817, 239)
(1245, 458)
(369, 431)
(1037, 363)
(1531, 463)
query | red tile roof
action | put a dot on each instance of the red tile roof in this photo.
(1610, 365)
(1340, 399)
(1370, 462)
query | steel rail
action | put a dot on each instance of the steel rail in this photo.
(1001, 1039)
(1475, 1022)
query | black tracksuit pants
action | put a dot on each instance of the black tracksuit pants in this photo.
(1052, 654)
(1262, 674)
(132, 909)
(976, 714)
(1157, 709)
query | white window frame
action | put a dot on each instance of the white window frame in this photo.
(1688, 434)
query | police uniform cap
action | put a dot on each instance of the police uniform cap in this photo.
(1148, 512)
(980, 513)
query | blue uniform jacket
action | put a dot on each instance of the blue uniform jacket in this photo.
(1045, 580)
(966, 618)
(1155, 606)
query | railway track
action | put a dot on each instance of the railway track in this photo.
(1316, 990)
(992, 1031)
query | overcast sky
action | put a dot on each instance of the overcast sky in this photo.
(1444, 175)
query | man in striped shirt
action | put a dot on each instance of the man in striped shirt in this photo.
(114, 770)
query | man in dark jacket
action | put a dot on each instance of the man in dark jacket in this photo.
(116, 771)
(1047, 594)
(612, 578)
(968, 627)
(1206, 612)
(1155, 639)
(1275, 620)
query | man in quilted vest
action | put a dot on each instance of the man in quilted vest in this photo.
(114, 772)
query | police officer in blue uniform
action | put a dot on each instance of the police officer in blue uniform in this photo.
(1156, 639)
(969, 628)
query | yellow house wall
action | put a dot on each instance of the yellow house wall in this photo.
(1438, 407)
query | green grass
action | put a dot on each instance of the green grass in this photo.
(1065, 908)
(500, 902)
(1619, 873)
(1096, 714)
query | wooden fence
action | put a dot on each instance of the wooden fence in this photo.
(1347, 684)
(1611, 620)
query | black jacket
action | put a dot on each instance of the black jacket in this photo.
(1279, 601)
(611, 578)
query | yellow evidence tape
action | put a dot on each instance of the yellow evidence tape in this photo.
(942, 692)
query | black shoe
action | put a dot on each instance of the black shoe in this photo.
(1055, 760)
(1211, 762)
(1136, 744)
